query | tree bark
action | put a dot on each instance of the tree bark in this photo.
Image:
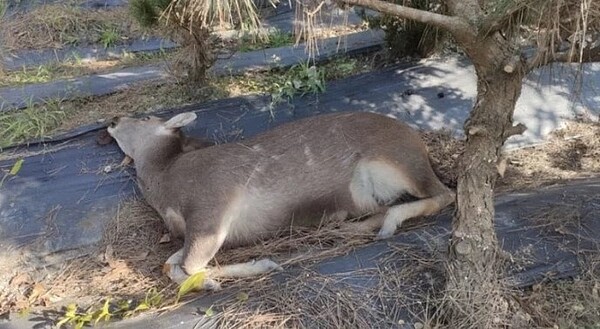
(474, 297)
(473, 288)
(452, 24)
(473, 267)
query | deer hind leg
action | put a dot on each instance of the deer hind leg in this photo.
(379, 182)
(396, 215)
(366, 226)
(421, 182)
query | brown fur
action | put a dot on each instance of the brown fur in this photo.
(354, 163)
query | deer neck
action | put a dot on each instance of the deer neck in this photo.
(157, 157)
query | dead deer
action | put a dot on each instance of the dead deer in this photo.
(342, 164)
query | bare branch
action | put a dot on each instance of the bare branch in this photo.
(451, 24)
(543, 58)
(512, 64)
(515, 130)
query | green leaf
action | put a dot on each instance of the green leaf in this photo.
(141, 307)
(63, 321)
(88, 317)
(16, 167)
(123, 305)
(71, 310)
(208, 313)
(104, 314)
(191, 283)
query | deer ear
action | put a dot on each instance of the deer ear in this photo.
(180, 120)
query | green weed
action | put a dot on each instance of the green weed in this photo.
(40, 74)
(341, 67)
(14, 170)
(90, 316)
(32, 122)
(123, 309)
(74, 66)
(274, 39)
(301, 79)
(109, 36)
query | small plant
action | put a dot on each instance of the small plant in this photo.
(75, 59)
(90, 316)
(190, 23)
(120, 309)
(31, 122)
(40, 74)
(109, 36)
(301, 79)
(274, 39)
(341, 68)
(14, 170)
(152, 300)
(195, 56)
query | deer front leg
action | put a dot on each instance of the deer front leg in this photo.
(202, 241)
(173, 270)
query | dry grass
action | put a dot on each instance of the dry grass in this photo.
(125, 266)
(59, 25)
(73, 68)
(480, 300)
(129, 260)
(373, 298)
(140, 98)
(572, 152)
(568, 303)
(561, 218)
(444, 151)
(569, 153)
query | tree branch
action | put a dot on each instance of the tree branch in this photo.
(540, 59)
(451, 24)
(515, 130)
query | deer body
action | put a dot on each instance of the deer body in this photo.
(337, 164)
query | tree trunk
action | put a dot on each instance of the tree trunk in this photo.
(473, 291)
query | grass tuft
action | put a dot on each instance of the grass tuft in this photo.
(32, 122)
(274, 39)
